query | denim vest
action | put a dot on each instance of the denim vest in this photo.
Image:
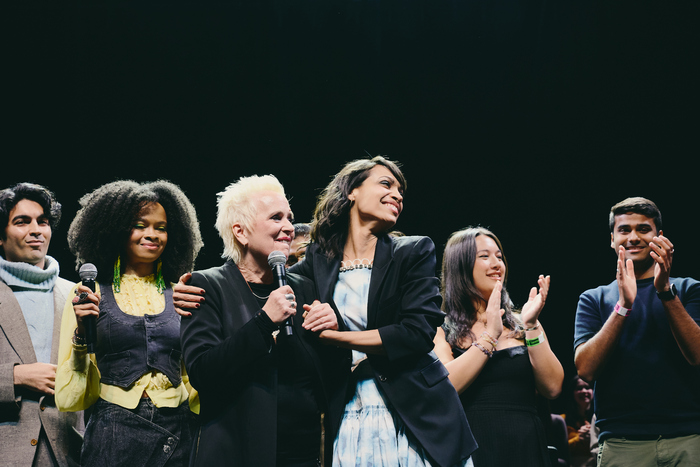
(129, 346)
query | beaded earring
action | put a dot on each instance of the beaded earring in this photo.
(160, 282)
(117, 280)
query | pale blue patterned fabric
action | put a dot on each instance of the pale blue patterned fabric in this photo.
(370, 434)
(350, 296)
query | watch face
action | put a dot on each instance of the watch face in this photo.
(668, 294)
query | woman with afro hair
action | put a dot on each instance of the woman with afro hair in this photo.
(141, 238)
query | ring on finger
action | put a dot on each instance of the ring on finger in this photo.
(289, 297)
(82, 298)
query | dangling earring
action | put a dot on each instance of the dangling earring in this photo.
(160, 282)
(117, 280)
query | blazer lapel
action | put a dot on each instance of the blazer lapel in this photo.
(383, 256)
(13, 325)
(249, 305)
(326, 276)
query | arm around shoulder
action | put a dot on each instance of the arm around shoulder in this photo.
(212, 349)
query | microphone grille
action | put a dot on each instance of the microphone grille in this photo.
(87, 272)
(276, 258)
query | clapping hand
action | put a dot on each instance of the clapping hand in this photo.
(662, 252)
(536, 300)
(626, 280)
(494, 312)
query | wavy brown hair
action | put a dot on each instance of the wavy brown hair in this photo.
(459, 292)
(329, 227)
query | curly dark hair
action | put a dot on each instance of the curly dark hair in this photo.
(459, 292)
(102, 226)
(329, 227)
(9, 197)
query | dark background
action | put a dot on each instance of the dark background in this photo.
(530, 117)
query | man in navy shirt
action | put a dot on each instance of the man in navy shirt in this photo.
(638, 338)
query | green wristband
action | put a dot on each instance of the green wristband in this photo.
(535, 341)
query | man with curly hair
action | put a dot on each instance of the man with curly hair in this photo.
(32, 296)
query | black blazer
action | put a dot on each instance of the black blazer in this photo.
(404, 305)
(231, 364)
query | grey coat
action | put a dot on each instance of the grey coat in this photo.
(23, 413)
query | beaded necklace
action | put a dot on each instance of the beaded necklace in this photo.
(357, 263)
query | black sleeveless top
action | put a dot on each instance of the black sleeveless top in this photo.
(501, 408)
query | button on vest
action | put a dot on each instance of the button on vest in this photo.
(129, 346)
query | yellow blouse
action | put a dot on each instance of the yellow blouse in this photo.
(78, 379)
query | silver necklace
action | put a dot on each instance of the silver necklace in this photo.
(349, 265)
(258, 296)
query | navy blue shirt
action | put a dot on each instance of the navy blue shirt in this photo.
(647, 388)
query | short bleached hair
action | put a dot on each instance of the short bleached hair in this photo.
(235, 206)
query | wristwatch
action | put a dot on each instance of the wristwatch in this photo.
(669, 294)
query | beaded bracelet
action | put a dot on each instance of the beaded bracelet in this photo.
(534, 328)
(483, 349)
(489, 338)
(535, 341)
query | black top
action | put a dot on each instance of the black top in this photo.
(501, 407)
(298, 412)
(232, 360)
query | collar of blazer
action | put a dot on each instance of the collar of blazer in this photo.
(249, 304)
(13, 325)
(326, 275)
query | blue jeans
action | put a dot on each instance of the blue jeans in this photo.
(144, 436)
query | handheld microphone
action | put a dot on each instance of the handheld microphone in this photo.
(88, 274)
(277, 261)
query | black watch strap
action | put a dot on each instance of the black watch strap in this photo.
(669, 294)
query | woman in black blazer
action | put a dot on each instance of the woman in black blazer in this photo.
(391, 401)
(260, 390)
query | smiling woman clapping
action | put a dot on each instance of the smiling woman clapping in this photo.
(497, 361)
